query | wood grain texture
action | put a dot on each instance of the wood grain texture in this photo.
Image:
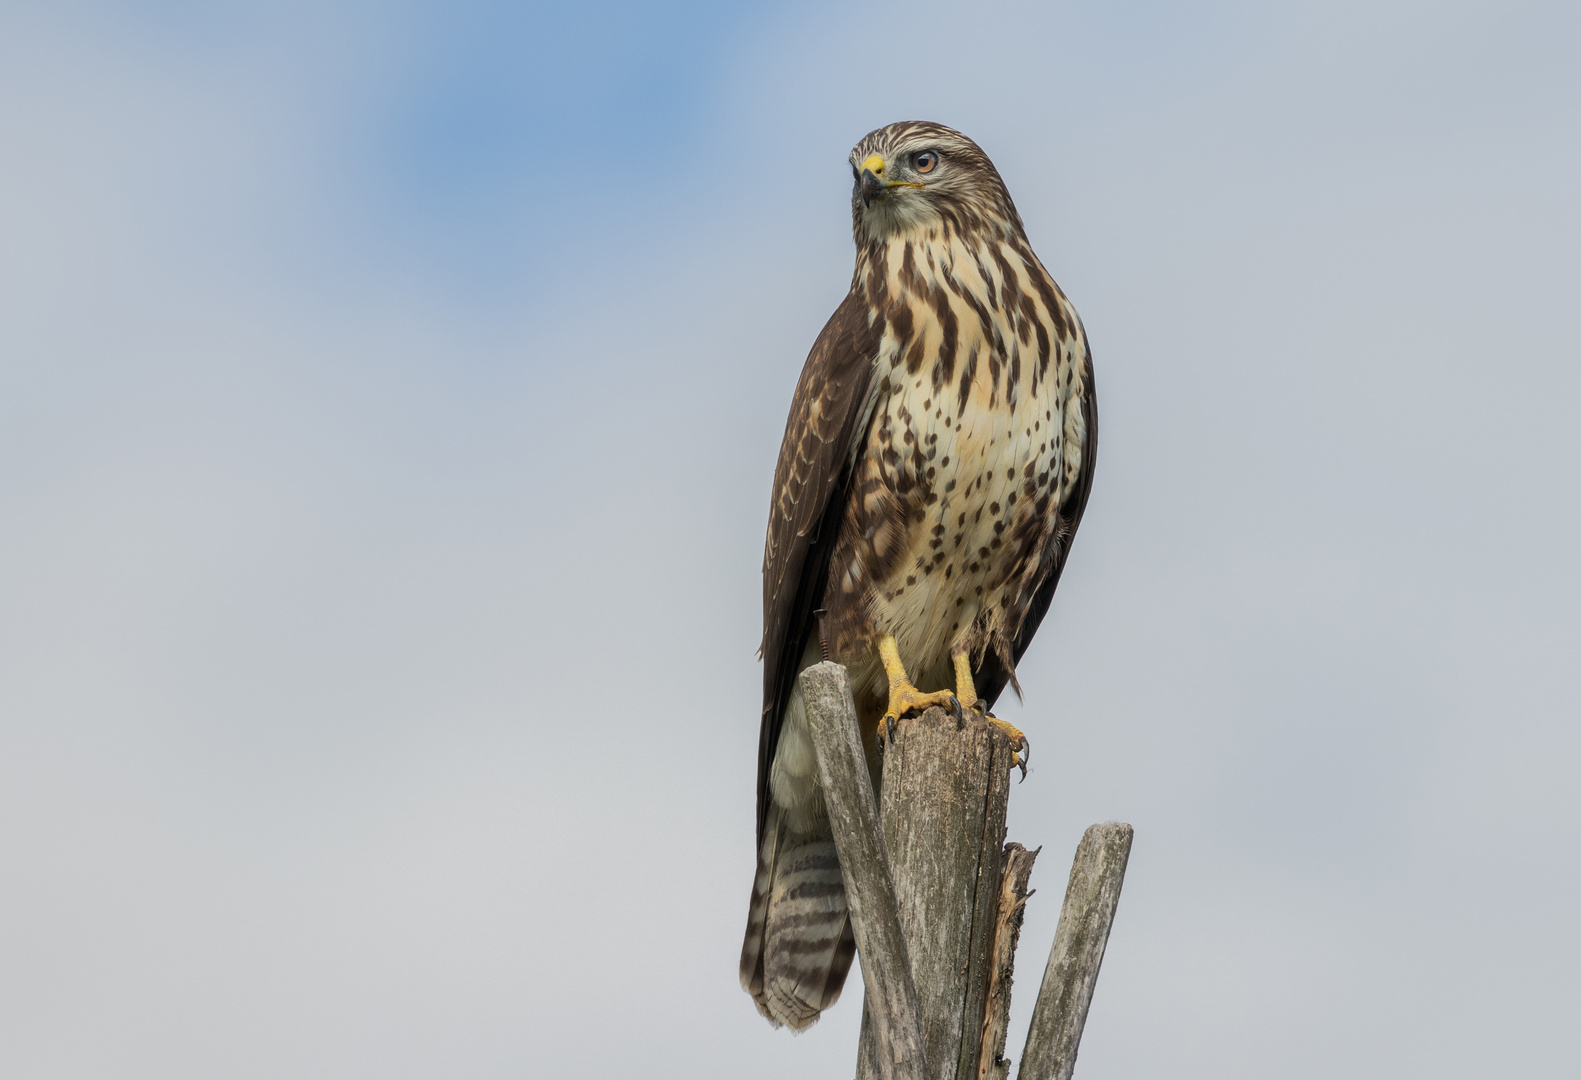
(899, 1048)
(1084, 923)
(1015, 873)
(946, 783)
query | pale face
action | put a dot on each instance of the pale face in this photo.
(906, 177)
(891, 188)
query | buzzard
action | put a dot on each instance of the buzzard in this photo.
(936, 461)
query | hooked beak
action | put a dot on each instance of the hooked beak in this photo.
(871, 186)
(872, 178)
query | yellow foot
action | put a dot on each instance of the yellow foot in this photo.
(966, 693)
(1018, 743)
(905, 698)
(1020, 748)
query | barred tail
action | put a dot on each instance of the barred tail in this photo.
(798, 945)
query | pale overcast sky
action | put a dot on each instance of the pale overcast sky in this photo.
(388, 401)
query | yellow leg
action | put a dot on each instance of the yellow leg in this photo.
(903, 697)
(966, 693)
(965, 689)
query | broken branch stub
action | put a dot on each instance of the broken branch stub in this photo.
(1077, 953)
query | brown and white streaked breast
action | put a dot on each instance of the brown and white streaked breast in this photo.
(977, 433)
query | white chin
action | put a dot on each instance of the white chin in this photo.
(889, 214)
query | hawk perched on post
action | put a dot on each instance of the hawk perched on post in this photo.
(936, 461)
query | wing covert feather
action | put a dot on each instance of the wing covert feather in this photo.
(813, 470)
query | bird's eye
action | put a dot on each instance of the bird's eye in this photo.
(925, 161)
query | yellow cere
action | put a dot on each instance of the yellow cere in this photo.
(874, 164)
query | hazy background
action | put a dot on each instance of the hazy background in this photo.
(388, 401)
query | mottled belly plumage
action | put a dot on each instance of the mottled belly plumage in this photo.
(966, 559)
(972, 444)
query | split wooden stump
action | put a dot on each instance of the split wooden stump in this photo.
(936, 896)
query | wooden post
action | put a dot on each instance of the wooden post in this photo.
(899, 1050)
(936, 901)
(1072, 972)
(942, 805)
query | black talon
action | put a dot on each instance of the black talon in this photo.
(889, 724)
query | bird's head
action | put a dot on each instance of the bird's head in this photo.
(915, 175)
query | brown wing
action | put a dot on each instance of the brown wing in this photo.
(993, 676)
(810, 478)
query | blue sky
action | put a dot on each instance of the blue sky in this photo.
(388, 399)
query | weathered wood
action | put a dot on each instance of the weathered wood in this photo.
(1083, 931)
(946, 783)
(899, 1047)
(1015, 872)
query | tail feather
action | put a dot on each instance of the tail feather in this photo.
(799, 946)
